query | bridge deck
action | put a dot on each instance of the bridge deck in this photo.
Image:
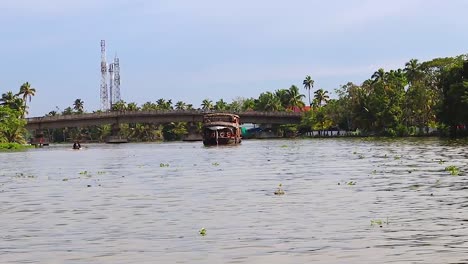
(157, 117)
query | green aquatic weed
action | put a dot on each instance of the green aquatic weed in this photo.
(351, 183)
(202, 232)
(454, 170)
(215, 164)
(83, 172)
(162, 165)
(378, 222)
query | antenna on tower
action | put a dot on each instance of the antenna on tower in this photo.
(104, 96)
(116, 92)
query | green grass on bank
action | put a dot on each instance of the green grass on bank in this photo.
(13, 146)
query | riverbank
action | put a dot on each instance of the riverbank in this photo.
(13, 147)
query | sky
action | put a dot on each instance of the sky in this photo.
(193, 50)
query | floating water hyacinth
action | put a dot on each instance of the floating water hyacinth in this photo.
(378, 222)
(280, 190)
(163, 165)
(202, 232)
(454, 170)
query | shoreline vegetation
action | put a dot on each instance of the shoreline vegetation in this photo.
(422, 99)
(4, 147)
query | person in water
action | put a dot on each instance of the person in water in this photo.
(76, 145)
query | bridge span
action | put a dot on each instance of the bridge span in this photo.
(154, 117)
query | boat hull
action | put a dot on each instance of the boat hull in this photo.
(221, 141)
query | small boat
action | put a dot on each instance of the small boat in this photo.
(221, 129)
(76, 146)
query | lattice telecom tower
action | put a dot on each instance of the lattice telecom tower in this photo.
(111, 96)
(111, 84)
(116, 92)
(104, 96)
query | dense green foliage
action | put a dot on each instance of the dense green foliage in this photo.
(402, 102)
(12, 110)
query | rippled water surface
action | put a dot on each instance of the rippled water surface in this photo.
(346, 201)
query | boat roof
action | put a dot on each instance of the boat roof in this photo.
(221, 114)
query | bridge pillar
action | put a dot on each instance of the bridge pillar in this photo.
(115, 129)
(194, 133)
(115, 136)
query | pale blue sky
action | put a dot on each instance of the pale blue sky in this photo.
(191, 50)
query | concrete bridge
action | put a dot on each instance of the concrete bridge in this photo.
(155, 117)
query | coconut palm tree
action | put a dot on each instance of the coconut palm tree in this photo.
(207, 104)
(413, 71)
(249, 104)
(27, 91)
(13, 101)
(308, 85)
(67, 111)
(282, 94)
(321, 96)
(78, 106)
(132, 106)
(179, 105)
(119, 106)
(269, 102)
(294, 97)
(7, 98)
(379, 76)
(220, 105)
(149, 106)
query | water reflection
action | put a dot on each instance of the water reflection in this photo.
(144, 203)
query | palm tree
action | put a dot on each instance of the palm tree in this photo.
(13, 101)
(413, 70)
(220, 105)
(52, 113)
(308, 85)
(78, 106)
(294, 97)
(321, 96)
(132, 107)
(119, 106)
(249, 104)
(149, 106)
(207, 104)
(269, 102)
(180, 105)
(161, 103)
(27, 91)
(7, 98)
(282, 94)
(67, 111)
(379, 76)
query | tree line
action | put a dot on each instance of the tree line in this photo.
(414, 100)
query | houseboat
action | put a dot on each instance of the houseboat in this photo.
(221, 129)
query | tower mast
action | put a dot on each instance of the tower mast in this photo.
(116, 92)
(104, 95)
(111, 84)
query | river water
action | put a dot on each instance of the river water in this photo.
(346, 201)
